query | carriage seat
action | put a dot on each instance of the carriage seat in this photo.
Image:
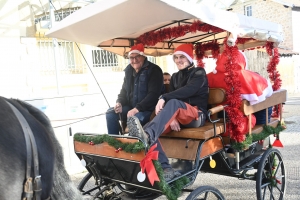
(216, 97)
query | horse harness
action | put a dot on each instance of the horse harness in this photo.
(31, 190)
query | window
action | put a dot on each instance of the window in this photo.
(62, 56)
(151, 59)
(248, 10)
(102, 58)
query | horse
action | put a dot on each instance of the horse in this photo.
(56, 183)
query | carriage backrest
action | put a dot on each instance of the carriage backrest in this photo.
(216, 96)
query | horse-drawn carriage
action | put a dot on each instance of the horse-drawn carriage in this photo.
(115, 161)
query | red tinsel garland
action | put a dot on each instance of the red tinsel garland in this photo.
(153, 37)
(233, 94)
(273, 73)
(200, 49)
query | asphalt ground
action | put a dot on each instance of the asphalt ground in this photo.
(235, 189)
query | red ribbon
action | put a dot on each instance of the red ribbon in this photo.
(147, 164)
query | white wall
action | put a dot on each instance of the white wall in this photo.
(296, 30)
(296, 45)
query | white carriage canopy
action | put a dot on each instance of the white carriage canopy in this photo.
(116, 25)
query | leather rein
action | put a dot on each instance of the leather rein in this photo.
(32, 186)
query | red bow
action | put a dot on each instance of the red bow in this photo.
(147, 164)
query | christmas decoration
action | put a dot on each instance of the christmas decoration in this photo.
(171, 193)
(147, 164)
(112, 141)
(250, 138)
(153, 37)
(273, 73)
(233, 93)
(200, 49)
(277, 142)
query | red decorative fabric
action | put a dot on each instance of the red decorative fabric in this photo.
(147, 165)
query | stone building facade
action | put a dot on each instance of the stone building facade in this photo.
(271, 11)
(284, 12)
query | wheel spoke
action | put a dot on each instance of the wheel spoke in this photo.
(264, 193)
(278, 166)
(206, 194)
(270, 187)
(279, 189)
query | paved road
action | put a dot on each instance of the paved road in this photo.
(234, 189)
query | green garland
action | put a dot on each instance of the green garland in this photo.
(112, 141)
(250, 138)
(171, 193)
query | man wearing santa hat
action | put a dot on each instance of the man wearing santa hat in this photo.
(143, 83)
(184, 106)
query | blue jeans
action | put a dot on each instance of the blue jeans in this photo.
(261, 116)
(112, 119)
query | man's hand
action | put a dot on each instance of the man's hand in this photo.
(118, 108)
(159, 106)
(175, 126)
(132, 112)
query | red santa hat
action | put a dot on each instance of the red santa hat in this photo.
(240, 60)
(139, 49)
(186, 50)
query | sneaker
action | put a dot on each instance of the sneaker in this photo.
(136, 129)
(169, 174)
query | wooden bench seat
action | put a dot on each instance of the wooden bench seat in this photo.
(202, 133)
(259, 128)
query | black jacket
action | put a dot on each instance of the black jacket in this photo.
(148, 84)
(190, 85)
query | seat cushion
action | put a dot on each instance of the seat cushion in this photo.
(203, 132)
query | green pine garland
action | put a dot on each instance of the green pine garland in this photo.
(112, 141)
(250, 138)
(171, 193)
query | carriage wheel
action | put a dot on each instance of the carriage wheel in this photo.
(205, 193)
(87, 185)
(270, 177)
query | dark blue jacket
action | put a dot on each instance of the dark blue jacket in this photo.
(147, 87)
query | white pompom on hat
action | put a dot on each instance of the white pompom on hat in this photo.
(139, 49)
(186, 50)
